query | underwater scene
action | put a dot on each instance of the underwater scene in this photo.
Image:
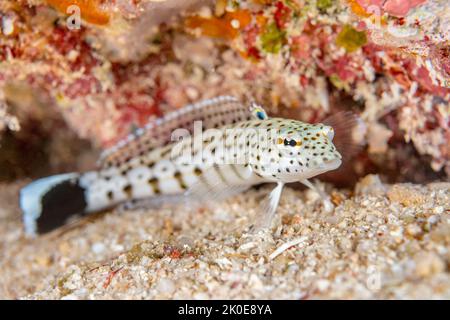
(199, 149)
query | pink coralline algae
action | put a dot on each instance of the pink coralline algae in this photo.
(397, 8)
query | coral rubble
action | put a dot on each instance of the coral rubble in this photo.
(382, 241)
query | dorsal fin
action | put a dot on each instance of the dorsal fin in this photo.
(213, 113)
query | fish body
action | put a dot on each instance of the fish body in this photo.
(226, 149)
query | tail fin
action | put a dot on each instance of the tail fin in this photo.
(47, 203)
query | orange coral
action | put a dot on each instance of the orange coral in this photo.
(89, 9)
(358, 9)
(226, 27)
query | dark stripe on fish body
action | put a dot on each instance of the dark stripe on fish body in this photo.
(128, 189)
(154, 183)
(179, 178)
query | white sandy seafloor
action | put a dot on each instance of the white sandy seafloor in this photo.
(381, 241)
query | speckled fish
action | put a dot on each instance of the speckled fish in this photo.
(237, 147)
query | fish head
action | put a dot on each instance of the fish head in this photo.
(300, 151)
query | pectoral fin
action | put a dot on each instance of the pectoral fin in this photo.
(214, 185)
(269, 207)
(328, 206)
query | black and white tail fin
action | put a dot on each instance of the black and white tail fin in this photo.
(49, 202)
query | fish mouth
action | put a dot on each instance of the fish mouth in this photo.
(331, 164)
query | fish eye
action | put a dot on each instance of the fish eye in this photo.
(291, 142)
